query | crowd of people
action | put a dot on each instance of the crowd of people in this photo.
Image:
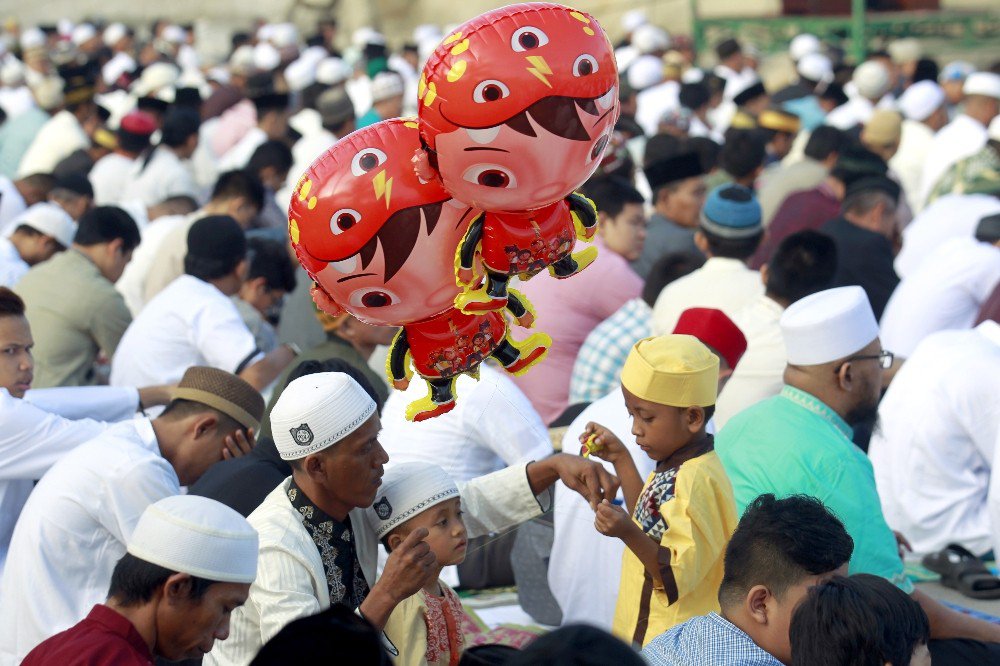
(775, 387)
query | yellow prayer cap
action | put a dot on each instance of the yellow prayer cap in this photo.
(779, 121)
(675, 370)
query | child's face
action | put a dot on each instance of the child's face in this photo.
(660, 430)
(447, 536)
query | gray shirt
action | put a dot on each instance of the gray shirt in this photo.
(663, 237)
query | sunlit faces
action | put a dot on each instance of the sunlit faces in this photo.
(352, 469)
(660, 430)
(625, 233)
(16, 363)
(447, 536)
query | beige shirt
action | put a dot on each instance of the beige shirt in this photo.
(168, 265)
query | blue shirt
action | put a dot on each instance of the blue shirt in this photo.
(598, 367)
(706, 640)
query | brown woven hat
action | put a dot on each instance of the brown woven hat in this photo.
(224, 392)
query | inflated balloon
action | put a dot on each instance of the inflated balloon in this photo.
(516, 109)
(380, 244)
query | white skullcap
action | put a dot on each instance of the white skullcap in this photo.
(366, 35)
(48, 93)
(300, 74)
(426, 31)
(284, 35)
(264, 32)
(803, 45)
(920, 100)
(871, 79)
(157, 76)
(693, 75)
(408, 489)
(648, 38)
(982, 83)
(32, 38)
(815, 67)
(49, 219)
(197, 536)
(386, 85)
(265, 57)
(993, 131)
(905, 50)
(64, 27)
(174, 34)
(828, 326)
(331, 71)
(83, 33)
(632, 19)
(644, 72)
(114, 33)
(242, 58)
(11, 73)
(316, 411)
(219, 74)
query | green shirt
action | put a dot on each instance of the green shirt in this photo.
(795, 444)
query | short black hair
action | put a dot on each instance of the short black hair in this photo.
(216, 245)
(926, 69)
(708, 151)
(135, 581)
(270, 260)
(577, 644)
(611, 193)
(743, 152)
(694, 95)
(104, 224)
(666, 269)
(825, 140)
(132, 142)
(239, 183)
(335, 635)
(863, 620)
(43, 182)
(732, 248)
(804, 263)
(778, 543)
(179, 124)
(11, 305)
(274, 154)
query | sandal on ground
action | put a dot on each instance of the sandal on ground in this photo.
(963, 571)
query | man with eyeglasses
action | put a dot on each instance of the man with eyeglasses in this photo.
(799, 442)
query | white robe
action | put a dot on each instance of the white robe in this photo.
(908, 162)
(58, 138)
(960, 138)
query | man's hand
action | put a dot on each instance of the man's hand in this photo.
(410, 566)
(151, 396)
(238, 444)
(903, 545)
(586, 477)
(612, 520)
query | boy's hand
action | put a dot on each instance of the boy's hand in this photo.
(612, 520)
(601, 442)
(411, 566)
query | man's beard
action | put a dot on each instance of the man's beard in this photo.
(863, 413)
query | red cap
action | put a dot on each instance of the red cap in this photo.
(714, 329)
(138, 122)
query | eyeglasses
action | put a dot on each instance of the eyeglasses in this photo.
(884, 358)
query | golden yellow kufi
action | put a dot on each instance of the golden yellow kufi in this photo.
(675, 370)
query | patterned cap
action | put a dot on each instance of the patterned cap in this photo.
(222, 391)
(408, 489)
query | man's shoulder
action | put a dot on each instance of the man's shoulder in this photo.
(277, 523)
(706, 640)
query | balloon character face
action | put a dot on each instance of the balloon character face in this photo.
(518, 104)
(380, 242)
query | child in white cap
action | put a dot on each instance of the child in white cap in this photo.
(427, 627)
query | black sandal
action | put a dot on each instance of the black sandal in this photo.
(963, 571)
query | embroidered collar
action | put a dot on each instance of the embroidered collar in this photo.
(690, 450)
(818, 407)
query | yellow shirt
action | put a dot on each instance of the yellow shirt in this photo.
(427, 630)
(689, 510)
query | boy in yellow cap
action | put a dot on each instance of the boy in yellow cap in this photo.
(684, 514)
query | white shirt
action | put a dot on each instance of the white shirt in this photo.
(12, 204)
(132, 284)
(950, 216)
(759, 374)
(960, 138)
(291, 582)
(655, 101)
(585, 566)
(120, 63)
(304, 153)
(73, 531)
(908, 162)
(12, 266)
(945, 292)
(61, 136)
(855, 111)
(492, 426)
(109, 177)
(934, 449)
(238, 156)
(189, 323)
(724, 284)
(165, 176)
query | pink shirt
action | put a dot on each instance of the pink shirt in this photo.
(568, 310)
(233, 125)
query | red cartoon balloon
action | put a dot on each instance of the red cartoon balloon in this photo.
(380, 244)
(516, 109)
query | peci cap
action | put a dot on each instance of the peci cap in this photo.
(986, 84)
(920, 100)
(49, 219)
(716, 330)
(731, 211)
(827, 326)
(675, 370)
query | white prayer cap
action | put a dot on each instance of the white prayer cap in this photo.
(648, 38)
(48, 93)
(386, 85)
(905, 50)
(49, 219)
(317, 411)
(174, 34)
(11, 73)
(803, 45)
(331, 71)
(693, 75)
(815, 67)
(644, 72)
(920, 100)
(366, 35)
(265, 57)
(64, 27)
(871, 79)
(219, 74)
(426, 31)
(993, 132)
(114, 33)
(242, 58)
(284, 35)
(300, 74)
(154, 78)
(32, 38)
(197, 536)
(982, 83)
(632, 19)
(828, 326)
(264, 32)
(83, 33)
(408, 489)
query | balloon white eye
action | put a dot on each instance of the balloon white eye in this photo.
(373, 298)
(490, 90)
(490, 175)
(344, 220)
(366, 160)
(585, 65)
(527, 38)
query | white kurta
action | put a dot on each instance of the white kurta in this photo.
(492, 426)
(12, 266)
(945, 292)
(165, 176)
(109, 178)
(585, 566)
(856, 111)
(908, 162)
(61, 136)
(960, 138)
(73, 531)
(934, 449)
(132, 284)
(725, 284)
(12, 204)
(291, 582)
(760, 372)
(950, 216)
(653, 102)
(189, 323)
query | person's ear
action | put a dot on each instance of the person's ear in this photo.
(395, 540)
(177, 588)
(845, 376)
(701, 242)
(115, 246)
(205, 424)
(756, 603)
(257, 285)
(242, 269)
(695, 419)
(314, 466)
(764, 273)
